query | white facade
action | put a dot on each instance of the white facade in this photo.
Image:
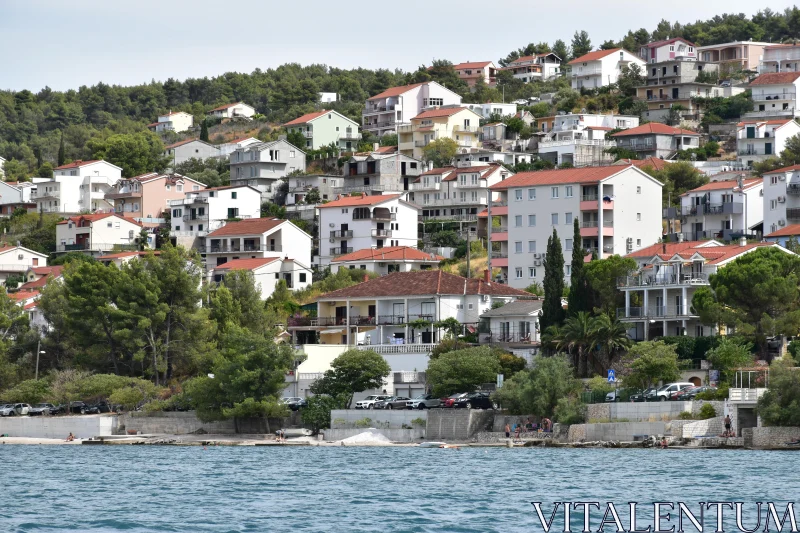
(300, 186)
(16, 260)
(226, 149)
(775, 95)
(238, 109)
(600, 68)
(781, 198)
(760, 140)
(267, 273)
(183, 151)
(256, 239)
(178, 122)
(325, 98)
(668, 50)
(324, 128)
(77, 187)
(535, 67)
(618, 208)
(722, 210)
(580, 139)
(493, 108)
(206, 210)
(261, 165)
(98, 233)
(12, 195)
(385, 111)
(359, 222)
(387, 260)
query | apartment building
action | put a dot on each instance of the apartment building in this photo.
(535, 67)
(780, 58)
(580, 139)
(77, 187)
(99, 233)
(178, 122)
(667, 50)
(472, 72)
(323, 128)
(600, 68)
(618, 208)
(655, 139)
(145, 198)
(267, 272)
(386, 110)
(261, 165)
(183, 151)
(457, 123)
(386, 260)
(235, 110)
(457, 193)
(382, 310)
(775, 95)
(227, 148)
(380, 171)
(299, 186)
(352, 223)
(757, 140)
(658, 296)
(733, 56)
(203, 211)
(781, 199)
(724, 210)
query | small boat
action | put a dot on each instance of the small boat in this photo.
(432, 444)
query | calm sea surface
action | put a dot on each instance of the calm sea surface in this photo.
(227, 489)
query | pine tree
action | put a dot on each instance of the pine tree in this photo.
(62, 156)
(578, 291)
(552, 312)
(204, 132)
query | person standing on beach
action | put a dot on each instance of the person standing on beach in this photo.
(508, 431)
(728, 432)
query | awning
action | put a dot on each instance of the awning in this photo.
(327, 331)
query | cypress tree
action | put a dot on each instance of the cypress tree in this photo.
(204, 132)
(62, 155)
(552, 312)
(578, 291)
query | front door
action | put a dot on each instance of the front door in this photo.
(405, 182)
(768, 148)
(398, 313)
(341, 315)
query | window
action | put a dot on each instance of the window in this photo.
(568, 217)
(568, 244)
(638, 242)
(199, 227)
(518, 195)
(518, 220)
(345, 210)
(638, 216)
(278, 276)
(518, 247)
(554, 219)
(531, 272)
(531, 220)
(110, 225)
(567, 269)
(179, 187)
(291, 153)
(638, 190)
(531, 194)
(470, 307)
(568, 191)
(553, 192)
(773, 204)
(773, 180)
(531, 247)
(519, 273)
(233, 195)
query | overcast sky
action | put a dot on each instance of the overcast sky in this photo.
(66, 44)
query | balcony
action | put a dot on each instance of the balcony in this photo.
(460, 128)
(384, 216)
(582, 142)
(374, 110)
(378, 124)
(499, 255)
(308, 134)
(664, 280)
(391, 320)
(350, 136)
(405, 128)
(754, 151)
(773, 96)
(96, 247)
(189, 201)
(586, 72)
(771, 113)
(226, 248)
(421, 144)
(381, 233)
(123, 194)
(727, 208)
(426, 186)
(335, 252)
(200, 218)
(589, 203)
(745, 395)
(590, 228)
(656, 312)
(342, 234)
(793, 188)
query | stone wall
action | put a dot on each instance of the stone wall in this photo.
(576, 433)
(623, 431)
(173, 423)
(394, 435)
(645, 411)
(377, 418)
(771, 437)
(704, 428)
(457, 424)
(58, 427)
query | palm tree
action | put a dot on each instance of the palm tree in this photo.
(578, 334)
(553, 339)
(611, 336)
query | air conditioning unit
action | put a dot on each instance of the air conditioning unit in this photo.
(629, 240)
(485, 297)
(781, 199)
(782, 177)
(537, 256)
(781, 222)
(331, 240)
(331, 225)
(537, 262)
(20, 257)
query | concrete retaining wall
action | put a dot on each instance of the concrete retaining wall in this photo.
(623, 431)
(457, 424)
(770, 437)
(394, 435)
(645, 411)
(174, 423)
(58, 427)
(378, 418)
(704, 428)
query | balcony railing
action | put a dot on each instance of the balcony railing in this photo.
(384, 216)
(385, 349)
(581, 142)
(421, 144)
(422, 186)
(460, 128)
(586, 72)
(342, 234)
(381, 233)
(688, 278)
(793, 188)
(350, 136)
(771, 113)
(189, 201)
(727, 208)
(589, 197)
(499, 255)
(308, 134)
(123, 194)
(224, 249)
(656, 312)
(335, 252)
(773, 96)
(391, 320)
(96, 247)
(378, 109)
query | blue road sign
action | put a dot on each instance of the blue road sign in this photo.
(612, 377)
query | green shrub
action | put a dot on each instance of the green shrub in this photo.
(419, 422)
(569, 410)
(686, 415)
(707, 411)
(363, 423)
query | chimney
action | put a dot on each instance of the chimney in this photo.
(366, 277)
(742, 241)
(680, 237)
(664, 247)
(430, 165)
(375, 146)
(487, 275)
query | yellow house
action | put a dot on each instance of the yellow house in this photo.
(458, 123)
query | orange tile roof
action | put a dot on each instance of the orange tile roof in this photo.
(250, 226)
(308, 117)
(42, 281)
(656, 163)
(554, 177)
(22, 295)
(496, 211)
(424, 282)
(791, 168)
(363, 200)
(396, 91)
(655, 128)
(441, 112)
(45, 271)
(776, 78)
(772, 122)
(77, 164)
(226, 106)
(476, 64)
(726, 184)
(788, 231)
(594, 56)
(386, 150)
(686, 250)
(390, 253)
(656, 44)
(247, 264)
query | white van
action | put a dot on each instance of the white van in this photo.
(663, 394)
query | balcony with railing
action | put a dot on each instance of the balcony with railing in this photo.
(591, 228)
(342, 234)
(336, 252)
(421, 144)
(461, 128)
(123, 194)
(96, 247)
(771, 113)
(308, 134)
(235, 248)
(189, 201)
(576, 142)
(656, 312)
(589, 202)
(422, 186)
(577, 73)
(405, 128)
(664, 280)
(772, 96)
(382, 233)
(350, 135)
(793, 188)
(384, 216)
(726, 208)
(375, 110)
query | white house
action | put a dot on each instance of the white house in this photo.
(178, 122)
(16, 260)
(235, 110)
(267, 272)
(514, 323)
(14, 195)
(488, 109)
(261, 165)
(535, 67)
(182, 151)
(600, 68)
(77, 187)
(227, 148)
(723, 210)
(323, 128)
(618, 208)
(398, 105)
(757, 140)
(580, 139)
(256, 238)
(98, 233)
(655, 139)
(781, 198)
(207, 210)
(386, 260)
(299, 186)
(352, 223)
(775, 95)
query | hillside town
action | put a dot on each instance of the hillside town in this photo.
(623, 220)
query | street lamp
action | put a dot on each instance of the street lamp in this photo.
(38, 352)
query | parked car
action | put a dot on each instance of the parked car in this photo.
(662, 394)
(424, 401)
(369, 401)
(474, 400)
(396, 402)
(81, 408)
(7, 410)
(690, 394)
(43, 409)
(294, 402)
(641, 396)
(450, 400)
(612, 396)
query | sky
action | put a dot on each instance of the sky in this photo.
(66, 44)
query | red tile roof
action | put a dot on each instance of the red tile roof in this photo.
(496, 211)
(476, 64)
(554, 177)
(386, 150)
(656, 128)
(727, 184)
(45, 271)
(226, 106)
(23, 295)
(363, 200)
(669, 248)
(656, 163)
(390, 253)
(773, 122)
(788, 231)
(792, 168)
(250, 226)
(122, 255)
(396, 91)
(685, 250)
(181, 143)
(95, 217)
(425, 282)
(601, 128)
(594, 56)
(77, 164)
(308, 117)
(247, 264)
(776, 78)
(42, 281)
(441, 112)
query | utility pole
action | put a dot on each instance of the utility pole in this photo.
(489, 233)
(469, 274)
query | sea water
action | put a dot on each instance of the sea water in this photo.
(349, 489)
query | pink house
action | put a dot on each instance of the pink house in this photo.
(147, 196)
